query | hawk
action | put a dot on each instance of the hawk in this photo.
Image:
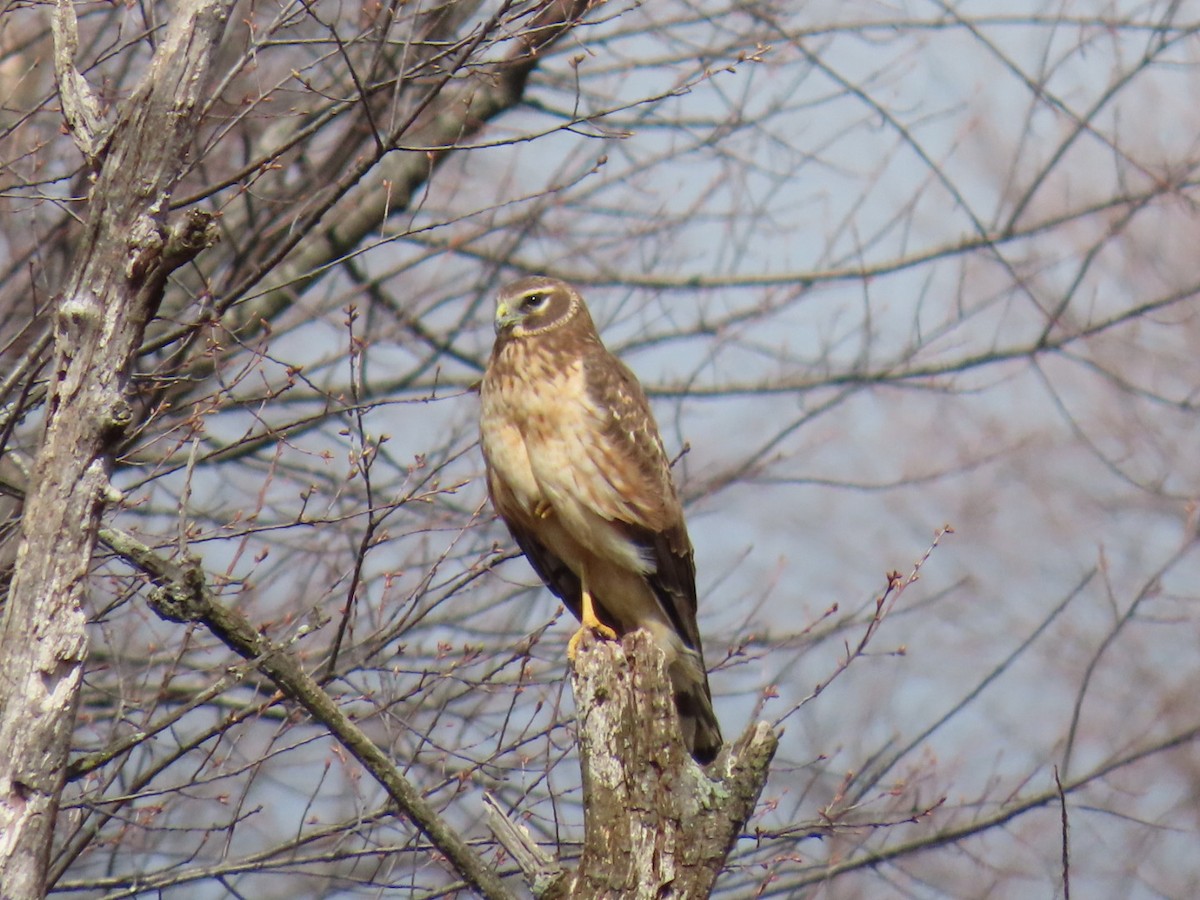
(577, 470)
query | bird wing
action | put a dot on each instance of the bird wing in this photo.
(630, 457)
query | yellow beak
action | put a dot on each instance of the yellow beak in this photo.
(505, 317)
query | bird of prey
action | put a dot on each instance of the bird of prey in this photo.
(577, 470)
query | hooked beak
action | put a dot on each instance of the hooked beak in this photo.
(505, 317)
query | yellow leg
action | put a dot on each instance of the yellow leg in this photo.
(588, 622)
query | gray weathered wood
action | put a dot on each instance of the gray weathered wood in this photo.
(124, 255)
(656, 824)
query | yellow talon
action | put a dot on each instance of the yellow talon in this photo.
(543, 509)
(588, 622)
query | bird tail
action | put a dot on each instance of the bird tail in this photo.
(701, 732)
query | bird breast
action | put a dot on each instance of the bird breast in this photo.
(543, 434)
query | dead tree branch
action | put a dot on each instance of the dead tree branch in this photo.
(182, 594)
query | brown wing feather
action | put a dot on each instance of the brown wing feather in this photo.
(674, 583)
(652, 516)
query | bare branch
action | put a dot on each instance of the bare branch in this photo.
(183, 596)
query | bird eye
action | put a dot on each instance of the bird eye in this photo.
(533, 302)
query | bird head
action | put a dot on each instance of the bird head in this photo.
(535, 305)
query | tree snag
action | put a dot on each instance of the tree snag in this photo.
(656, 825)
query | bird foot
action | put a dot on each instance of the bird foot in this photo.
(597, 629)
(543, 509)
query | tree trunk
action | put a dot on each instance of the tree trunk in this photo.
(121, 265)
(656, 824)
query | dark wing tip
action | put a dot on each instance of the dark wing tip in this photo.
(698, 722)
